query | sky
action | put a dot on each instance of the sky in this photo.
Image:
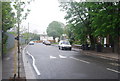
(42, 13)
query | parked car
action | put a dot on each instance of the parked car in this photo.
(64, 44)
(47, 42)
(31, 43)
(43, 42)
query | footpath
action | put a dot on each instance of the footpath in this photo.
(108, 56)
(10, 64)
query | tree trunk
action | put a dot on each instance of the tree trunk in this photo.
(54, 39)
(93, 42)
(116, 45)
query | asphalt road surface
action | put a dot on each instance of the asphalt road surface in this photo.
(52, 63)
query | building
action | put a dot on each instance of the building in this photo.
(45, 37)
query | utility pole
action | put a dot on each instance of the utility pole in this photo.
(28, 32)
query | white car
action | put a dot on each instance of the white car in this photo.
(31, 43)
(64, 44)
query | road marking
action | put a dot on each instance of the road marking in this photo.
(34, 66)
(79, 60)
(52, 57)
(28, 69)
(113, 70)
(62, 56)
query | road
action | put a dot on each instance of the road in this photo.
(52, 63)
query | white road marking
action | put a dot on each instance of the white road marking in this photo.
(34, 66)
(28, 70)
(79, 60)
(62, 56)
(52, 57)
(113, 70)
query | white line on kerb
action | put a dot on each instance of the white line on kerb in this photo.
(29, 74)
(113, 70)
(34, 66)
(79, 60)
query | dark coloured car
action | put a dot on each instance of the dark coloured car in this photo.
(47, 42)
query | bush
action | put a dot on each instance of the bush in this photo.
(76, 42)
(4, 43)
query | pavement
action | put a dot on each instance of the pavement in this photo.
(108, 56)
(28, 68)
(10, 64)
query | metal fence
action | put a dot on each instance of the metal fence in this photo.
(10, 41)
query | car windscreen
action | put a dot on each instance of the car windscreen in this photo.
(66, 42)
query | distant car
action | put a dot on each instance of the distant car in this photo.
(43, 42)
(31, 43)
(64, 44)
(47, 42)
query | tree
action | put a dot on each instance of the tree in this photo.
(8, 16)
(55, 29)
(93, 20)
(8, 21)
(106, 22)
(78, 15)
(33, 36)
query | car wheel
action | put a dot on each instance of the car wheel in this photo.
(62, 48)
(70, 49)
(59, 47)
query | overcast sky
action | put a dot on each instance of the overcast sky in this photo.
(42, 13)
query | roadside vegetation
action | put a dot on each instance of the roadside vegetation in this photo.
(92, 21)
(55, 29)
(8, 21)
(10, 18)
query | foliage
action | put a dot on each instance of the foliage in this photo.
(106, 21)
(8, 16)
(13, 33)
(31, 36)
(77, 15)
(55, 29)
(8, 21)
(21, 10)
(92, 20)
